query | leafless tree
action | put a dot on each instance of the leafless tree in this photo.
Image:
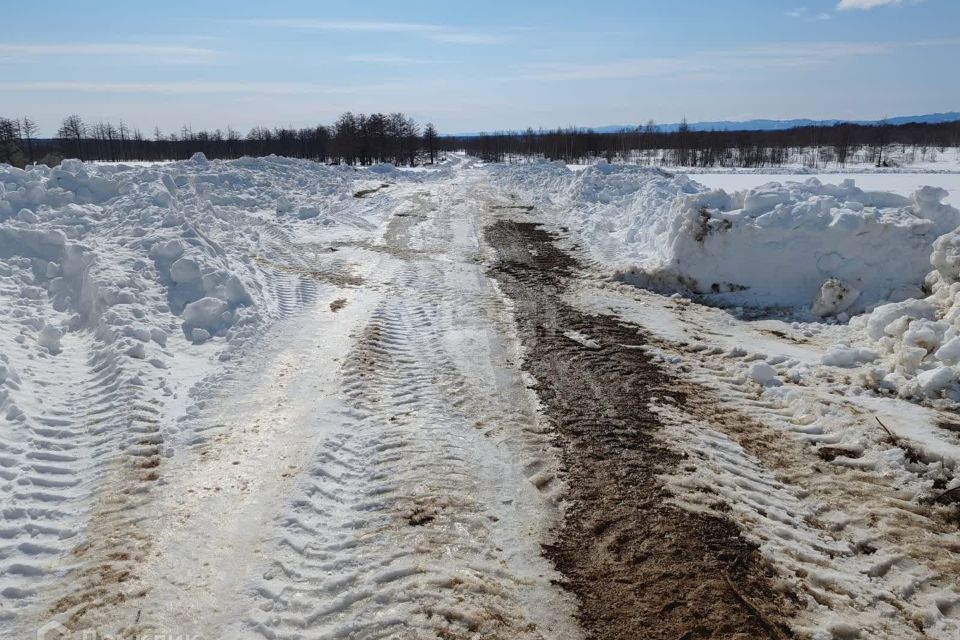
(430, 141)
(71, 135)
(28, 132)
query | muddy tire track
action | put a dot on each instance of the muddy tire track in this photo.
(640, 566)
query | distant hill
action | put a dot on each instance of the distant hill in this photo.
(775, 125)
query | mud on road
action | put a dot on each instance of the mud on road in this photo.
(640, 566)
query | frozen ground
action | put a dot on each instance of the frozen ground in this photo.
(268, 398)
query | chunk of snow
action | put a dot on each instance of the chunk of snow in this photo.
(764, 374)
(582, 339)
(206, 313)
(185, 271)
(835, 296)
(843, 356)
(949, 352)
(49, 338)
(883, 316)
(283, 205)
(936, 380)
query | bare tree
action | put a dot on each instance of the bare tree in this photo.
(28, 131)
(10, 151)
(71, 134)
(430, 141)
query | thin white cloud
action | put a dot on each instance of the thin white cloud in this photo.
(435, 32)
(390, 60)
(865, 5)
(468, 38)
(103, 49)
(374, 26)
(756, 57)
(193, 87)
(801, 13)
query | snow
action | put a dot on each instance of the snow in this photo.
(182, 311)
(833, 523)
(125, 287)
(763, 374)
(799, 244)
(873, 395)
(902, 184)
(582, 339)
(174, 376)
(820, 250)
(844, 356)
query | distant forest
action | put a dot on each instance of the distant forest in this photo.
(358, 139)
(354, 139)
(812, 145)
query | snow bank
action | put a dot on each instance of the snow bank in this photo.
(131, 251)
(919, 339)
(800, 244)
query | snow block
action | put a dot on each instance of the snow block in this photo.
(207, 314)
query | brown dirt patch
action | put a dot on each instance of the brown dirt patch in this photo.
(641, 567)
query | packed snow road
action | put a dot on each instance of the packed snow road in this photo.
(271, 399)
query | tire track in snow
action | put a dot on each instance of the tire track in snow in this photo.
(79, 422)
(858, 546)
(413, 520)
(805, 473)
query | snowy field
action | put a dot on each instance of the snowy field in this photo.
(900, 183)
(266, 398)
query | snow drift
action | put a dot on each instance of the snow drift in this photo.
(835, 248)
(918, 340)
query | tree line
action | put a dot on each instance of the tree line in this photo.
(359, 139)
(648, 144)
(354, 139)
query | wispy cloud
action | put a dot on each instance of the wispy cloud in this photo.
(390, 60)
(375, 26)
(468, 38)
(435, 32)
(755, 57)
(174, 53)
(801, 13)
(871, 4)
(191, 87)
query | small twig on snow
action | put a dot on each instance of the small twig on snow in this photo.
(893, 439)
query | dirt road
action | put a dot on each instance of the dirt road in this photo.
(640, 566)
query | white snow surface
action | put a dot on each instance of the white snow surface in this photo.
(182, 312)
(212, 373)
(108, 273)
(776, 244)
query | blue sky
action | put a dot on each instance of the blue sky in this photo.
(476, 66)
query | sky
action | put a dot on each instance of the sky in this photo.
(475, 66)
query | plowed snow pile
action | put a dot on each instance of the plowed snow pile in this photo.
(835, 248)
(122, 288)
(915, 343)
